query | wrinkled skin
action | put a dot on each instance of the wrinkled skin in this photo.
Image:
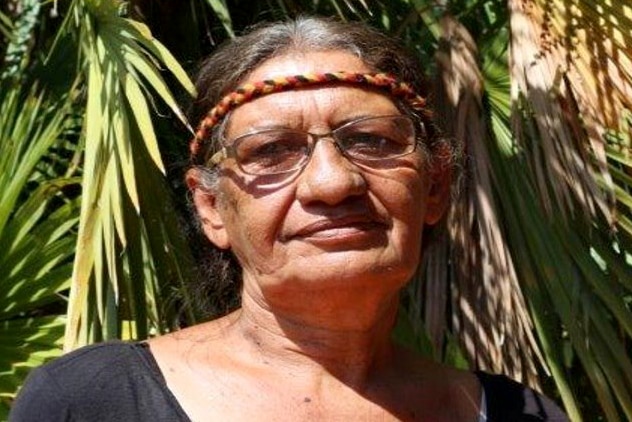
(334, 226)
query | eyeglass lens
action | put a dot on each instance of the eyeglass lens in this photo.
(278, 151)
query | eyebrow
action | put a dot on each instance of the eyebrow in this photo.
(263, 128)
(337, 124)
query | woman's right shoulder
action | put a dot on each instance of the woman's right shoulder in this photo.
(79, 369)
(92, 359)
(88, 383)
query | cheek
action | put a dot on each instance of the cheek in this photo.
(253, 223)
(417, 204)
(405, 198)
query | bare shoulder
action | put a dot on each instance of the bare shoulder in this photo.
(420, 365)
(440, 387)
(185, 344)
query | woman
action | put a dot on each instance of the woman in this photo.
(318, 168)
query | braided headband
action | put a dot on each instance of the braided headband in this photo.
(250, 91)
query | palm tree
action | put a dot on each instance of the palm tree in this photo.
(38, 210)
(534, 276)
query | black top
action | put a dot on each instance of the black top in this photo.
(122, 382)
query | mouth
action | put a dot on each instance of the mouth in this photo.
(338, 229)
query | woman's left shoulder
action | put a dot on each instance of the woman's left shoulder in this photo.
(509, 400)
(434, 385)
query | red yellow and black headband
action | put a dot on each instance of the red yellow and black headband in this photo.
(250, 91)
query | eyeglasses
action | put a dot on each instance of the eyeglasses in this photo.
(367, 140)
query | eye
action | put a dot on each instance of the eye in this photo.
(271, 151)
(374, 145)
(377, 137)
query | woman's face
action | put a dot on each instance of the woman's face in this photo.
(335, 223)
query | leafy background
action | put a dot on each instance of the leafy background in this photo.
(531, 274)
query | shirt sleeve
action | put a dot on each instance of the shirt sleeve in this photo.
(40, 400)
(507, 400)
(106, 382)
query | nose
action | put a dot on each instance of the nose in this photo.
(329, 177)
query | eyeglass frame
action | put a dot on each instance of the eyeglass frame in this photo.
(229, 151)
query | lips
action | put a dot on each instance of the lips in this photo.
(339, 226)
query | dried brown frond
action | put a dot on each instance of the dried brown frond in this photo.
(489, 312)
(571, 68)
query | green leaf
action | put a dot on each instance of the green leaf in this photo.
(26, 343)
(221, 11)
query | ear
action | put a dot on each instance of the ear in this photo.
(440, 176)
(208, 209)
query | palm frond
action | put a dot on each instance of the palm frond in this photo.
(25, 344)
(128, 241)
(5, 27)
(571, 81)
(220, 9)
(37, 226)
(20, 39)
(490, 314)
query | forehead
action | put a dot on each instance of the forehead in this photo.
(295, 63)
(324, 104)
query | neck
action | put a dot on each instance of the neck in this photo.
(345, 340)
